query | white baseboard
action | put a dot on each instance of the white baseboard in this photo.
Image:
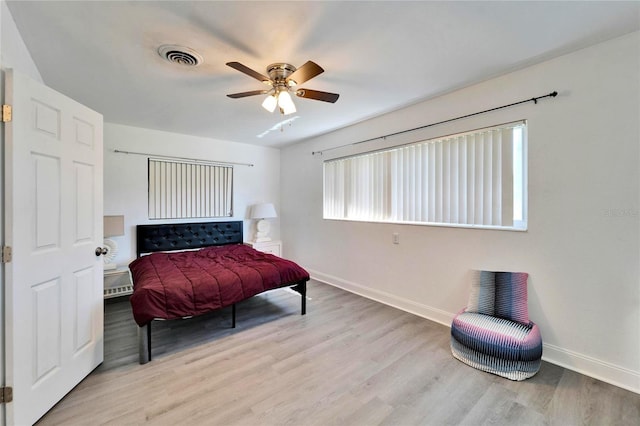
(606, 372)
(583, 364)
(410, 306)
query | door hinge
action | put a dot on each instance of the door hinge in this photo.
(7, 112)
(7, 255)
(6, 394)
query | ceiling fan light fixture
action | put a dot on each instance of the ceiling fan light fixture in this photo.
(283, 79)
(286, 103)
(270, 103)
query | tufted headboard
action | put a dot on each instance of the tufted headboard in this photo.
(181, 236)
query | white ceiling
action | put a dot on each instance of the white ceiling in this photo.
(379, 56)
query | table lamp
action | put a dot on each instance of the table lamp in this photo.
(261, 212)
(113, 226)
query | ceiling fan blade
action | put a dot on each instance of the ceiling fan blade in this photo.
(305, 73)
(317, 95)
(245, 94)
(248, 71)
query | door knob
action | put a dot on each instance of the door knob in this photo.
(101, 251)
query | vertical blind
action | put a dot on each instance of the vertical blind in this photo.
(189, 190)
(467, 178)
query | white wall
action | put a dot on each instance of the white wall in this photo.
(125, 177)
(582, 248)
(14, 52)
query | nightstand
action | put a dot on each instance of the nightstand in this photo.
(117, 282)
(271, 247)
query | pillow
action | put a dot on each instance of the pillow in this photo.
(483, 292)
(511, 296)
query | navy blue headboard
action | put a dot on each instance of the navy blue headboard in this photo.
(181, 236)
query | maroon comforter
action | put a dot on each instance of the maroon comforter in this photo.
(177, 285)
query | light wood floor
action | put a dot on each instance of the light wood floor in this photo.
(349, 361)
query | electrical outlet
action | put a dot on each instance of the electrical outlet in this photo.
(396, 238)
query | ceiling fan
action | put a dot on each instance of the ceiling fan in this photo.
(283, 79)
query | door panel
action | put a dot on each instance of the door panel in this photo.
(46, 297)
(53, 221)
(85, 199)
(83, 320)
(46, 195)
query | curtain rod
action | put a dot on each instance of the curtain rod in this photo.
(534, 100)
(510, 124)
(195, 160)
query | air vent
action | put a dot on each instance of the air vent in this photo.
(180, 55)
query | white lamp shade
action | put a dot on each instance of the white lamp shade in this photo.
(263, 211)
(286, 103)
(113, 226)
(270, 103)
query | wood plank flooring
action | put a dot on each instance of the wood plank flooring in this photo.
(349, 361)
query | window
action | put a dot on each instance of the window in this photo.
(477, 178)
(189, 190)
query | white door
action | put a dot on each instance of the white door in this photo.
(53, 223)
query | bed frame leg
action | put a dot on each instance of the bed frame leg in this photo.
(144, 343)
(233, 316)
(301, 288)
(303, 293)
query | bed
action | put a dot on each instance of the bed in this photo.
(185, 270)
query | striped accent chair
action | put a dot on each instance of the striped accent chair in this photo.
(494, 333)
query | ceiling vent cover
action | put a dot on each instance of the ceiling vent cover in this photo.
(180, 55)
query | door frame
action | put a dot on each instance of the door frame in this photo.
(3, 418)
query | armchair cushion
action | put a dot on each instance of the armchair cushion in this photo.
(511, 296)
(497, 345)
(483, 292)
